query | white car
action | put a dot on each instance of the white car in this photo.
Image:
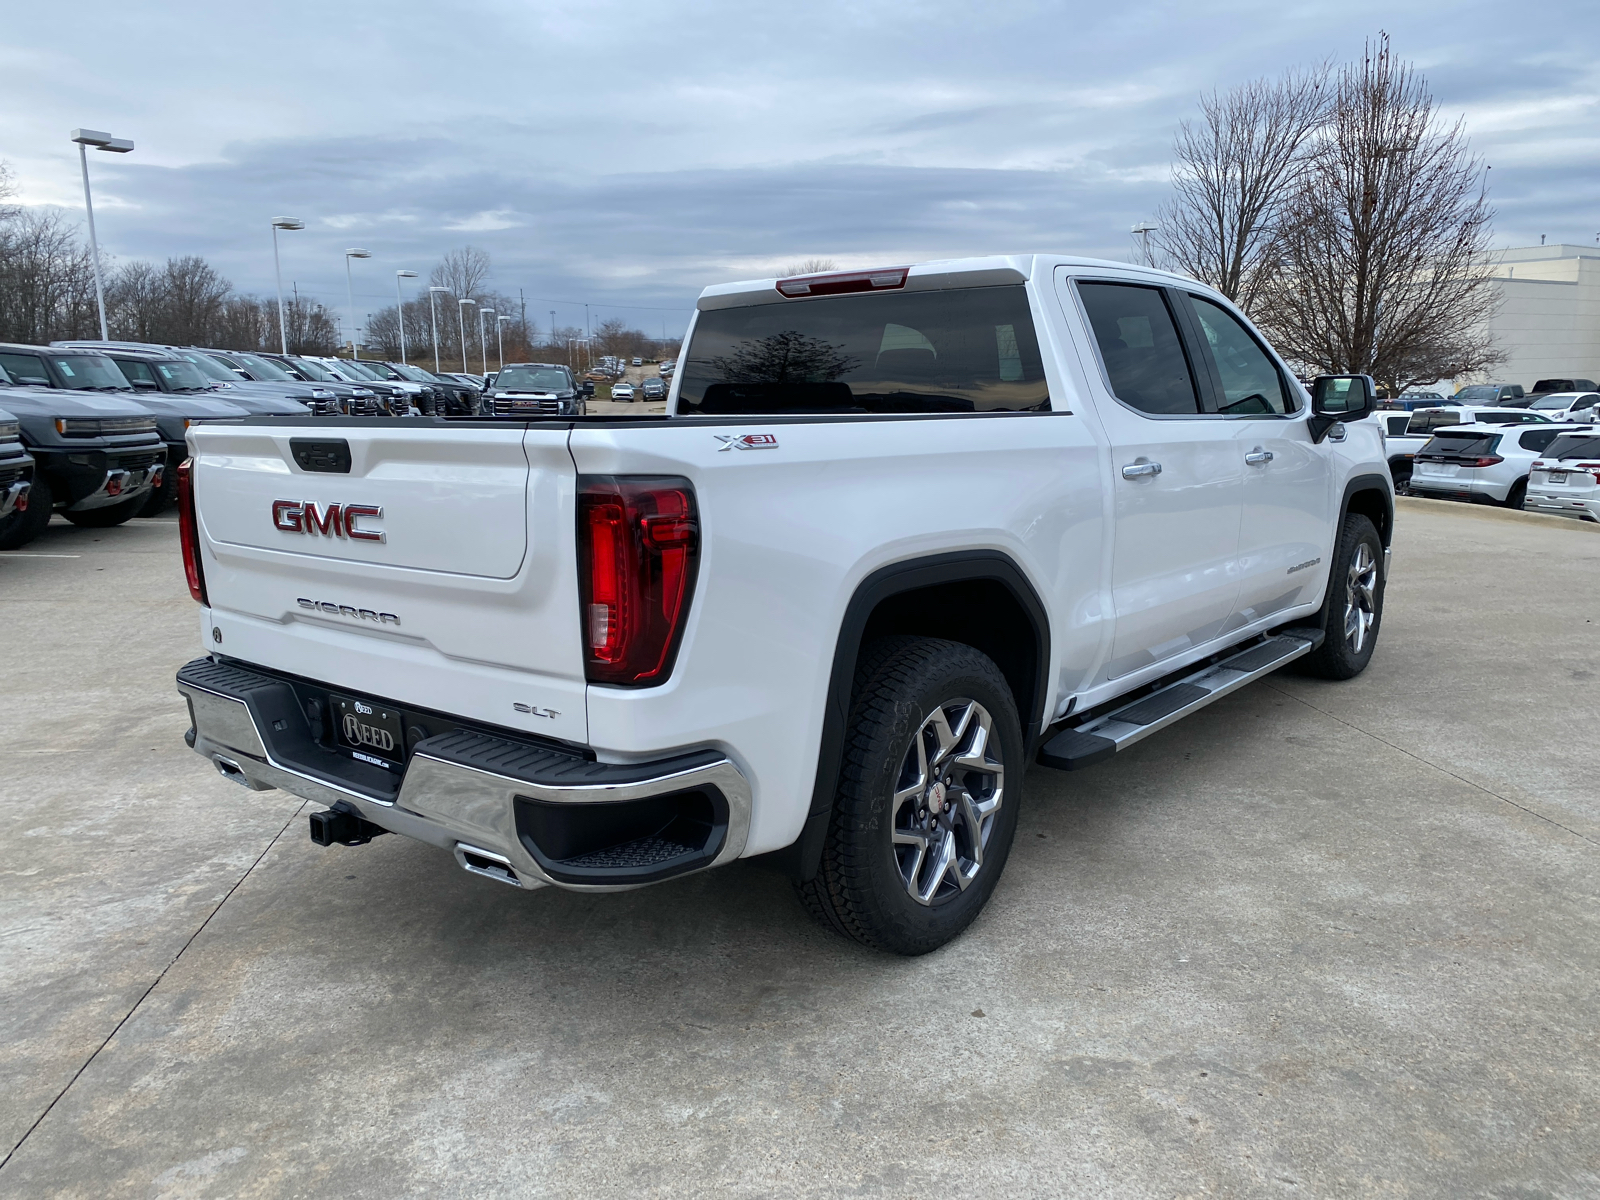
(902, 532)
(622, 391)
(1566, 477)
(1487, 463)
(1568, 406)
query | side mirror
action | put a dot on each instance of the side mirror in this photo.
(1336, 398)
(145, 385)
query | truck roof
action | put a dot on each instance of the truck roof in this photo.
(985, 271)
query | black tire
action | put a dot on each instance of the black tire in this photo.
(20, 528)
(1355, 587)
(863, 887)
(162, 496)
(1401, 474)
(107, 515)
(1517, 495)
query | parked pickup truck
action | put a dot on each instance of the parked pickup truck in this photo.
(16, 480)
(96, 457)
(898, 533)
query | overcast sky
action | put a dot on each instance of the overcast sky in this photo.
(627, 153)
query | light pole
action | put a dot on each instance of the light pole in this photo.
(400, 309)
(483, 339)
(350, 294)
(100, 141)
(277, 271)
(461, 311)
(554, 343)
(433, 308)
(1144, 229)
(500, 340)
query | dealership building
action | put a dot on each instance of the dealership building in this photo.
(1548, 321)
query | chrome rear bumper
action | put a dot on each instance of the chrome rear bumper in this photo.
(460, 789)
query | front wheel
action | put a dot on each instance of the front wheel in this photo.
(19, 528)
(1352, 610)
(927, 797)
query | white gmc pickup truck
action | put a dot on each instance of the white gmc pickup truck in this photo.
(899, 534)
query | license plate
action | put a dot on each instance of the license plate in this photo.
(370, 730)
(1441, 469)
(1558, 476)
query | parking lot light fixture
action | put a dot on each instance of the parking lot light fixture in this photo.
(483, 339)
(500, 340)
(350, 294)
(433, 309)
(277, 271)
(400, 309)
(461, 308)
(114, 145)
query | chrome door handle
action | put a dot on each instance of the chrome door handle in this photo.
(1140, 469)
(1257, 458)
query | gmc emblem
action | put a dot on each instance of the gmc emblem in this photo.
(335, 520)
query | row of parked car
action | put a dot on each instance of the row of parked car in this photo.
(96, 430)
(1538, 451)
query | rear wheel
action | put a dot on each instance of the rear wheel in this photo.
(1352, 610)
(20, 528)
(107, 515)
(1517, 494)
(927, 797)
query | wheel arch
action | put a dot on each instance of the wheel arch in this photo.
(979, 597)
(1373, 497)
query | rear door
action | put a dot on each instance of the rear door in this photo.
(1176, 475)
(431, 565)
(1285, 525)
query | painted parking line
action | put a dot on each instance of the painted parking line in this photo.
(23, 554)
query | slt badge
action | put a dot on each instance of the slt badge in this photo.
(746, 441)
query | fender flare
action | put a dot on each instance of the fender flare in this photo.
(804, 855)
(1370, 483)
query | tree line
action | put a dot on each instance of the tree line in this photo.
(1347, 220)
(47, 294)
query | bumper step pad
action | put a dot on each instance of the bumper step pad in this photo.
(1098, 739)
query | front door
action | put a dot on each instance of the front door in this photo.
(1176, 475)
(1284, 536)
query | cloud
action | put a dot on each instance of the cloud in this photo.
(623, 153)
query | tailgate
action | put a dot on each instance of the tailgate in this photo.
(434, 565)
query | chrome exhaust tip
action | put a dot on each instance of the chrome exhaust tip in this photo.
(486, 863)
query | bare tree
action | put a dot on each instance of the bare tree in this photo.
(1234, 169)
(811, 266)
(1385, 239)
(46, 279)
(463, 271)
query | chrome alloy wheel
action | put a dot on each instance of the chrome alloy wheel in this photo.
(951, 783)
(1360, 603)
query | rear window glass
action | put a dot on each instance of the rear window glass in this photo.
(1536, 439)
(1459, 444)
(1574, 445)
(1397, 425)
(1427, 421)
(966, 350)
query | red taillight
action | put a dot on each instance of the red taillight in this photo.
(638, 543)
(1488, 460)
(189, 534)
(885, 278)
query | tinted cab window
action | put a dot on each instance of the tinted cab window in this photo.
(1144, 359)
(26, 369)
(1252, 385)
(961, 350)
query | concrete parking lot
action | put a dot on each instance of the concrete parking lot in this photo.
(1321, 939)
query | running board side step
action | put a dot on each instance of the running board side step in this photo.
(1097, 740)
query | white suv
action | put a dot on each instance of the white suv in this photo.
(1568, 406)
(1566, 478)
(1485, 462)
